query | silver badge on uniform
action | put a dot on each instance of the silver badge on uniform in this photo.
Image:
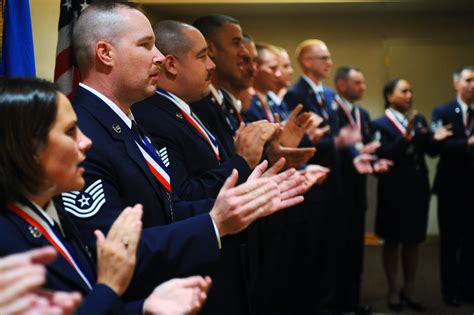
(116, 127)
(35, 232)
(87, 203)
(179, 115)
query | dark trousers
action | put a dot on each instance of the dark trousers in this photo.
(455, 216)
(352, 259)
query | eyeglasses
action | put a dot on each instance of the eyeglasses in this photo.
(323, 58)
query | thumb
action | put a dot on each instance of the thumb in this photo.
(100, 237)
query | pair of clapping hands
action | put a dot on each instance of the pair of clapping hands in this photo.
(283, 139)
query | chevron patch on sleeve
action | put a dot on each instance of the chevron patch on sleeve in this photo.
(87, 203)
(164, 156)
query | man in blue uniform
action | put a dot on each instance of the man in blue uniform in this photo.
(356, 161)
(264, 104)
(198, 163)
(455, 207)
(321, 210)
(119, 66)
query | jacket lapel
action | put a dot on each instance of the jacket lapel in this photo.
(163, 100)
(311, 100)
(109, 120)
(456, 113)
(60, 267)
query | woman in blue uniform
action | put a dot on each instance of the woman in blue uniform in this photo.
(403, 193)
(41, 149)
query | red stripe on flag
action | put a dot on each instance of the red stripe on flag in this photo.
(63, 62)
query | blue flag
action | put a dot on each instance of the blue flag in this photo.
(18, 57)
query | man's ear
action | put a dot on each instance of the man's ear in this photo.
(170, 65)
(306, 62)
(211, 49)
(104, 53)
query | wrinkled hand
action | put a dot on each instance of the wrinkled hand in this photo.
(290, 183)
(116, 254)
(55, 303)
(347, 136)
(250, 139)
(314, 174)
(382, 165)
(294, 157)
(362, 163)
(236, 207)
(371, 147)
(262, 171)
(178, 296)
(443, 132)
(295, 127)
(21, 276)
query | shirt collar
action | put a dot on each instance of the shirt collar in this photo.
(236, 102)
(464, 106)
(346, 103)
(317, 88)
(400, 117)
(127, 119)
(217, 94)
(50, 214)
(275, 98)
(182, 104)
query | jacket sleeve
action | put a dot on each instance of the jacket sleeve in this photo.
(181, 249)
(102, 300)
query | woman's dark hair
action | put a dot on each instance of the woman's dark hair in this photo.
(28, 110)
(388, 89)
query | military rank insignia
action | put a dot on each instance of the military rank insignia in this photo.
(87, 203)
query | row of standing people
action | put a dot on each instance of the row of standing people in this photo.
(199, 136)
(148, 244)
(395, 145)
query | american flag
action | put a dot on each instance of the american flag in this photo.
(66, 75)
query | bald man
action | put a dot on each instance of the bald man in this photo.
(119, 64)
(198, 164)
(321, 204)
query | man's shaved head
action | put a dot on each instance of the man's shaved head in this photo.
(99, 21)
